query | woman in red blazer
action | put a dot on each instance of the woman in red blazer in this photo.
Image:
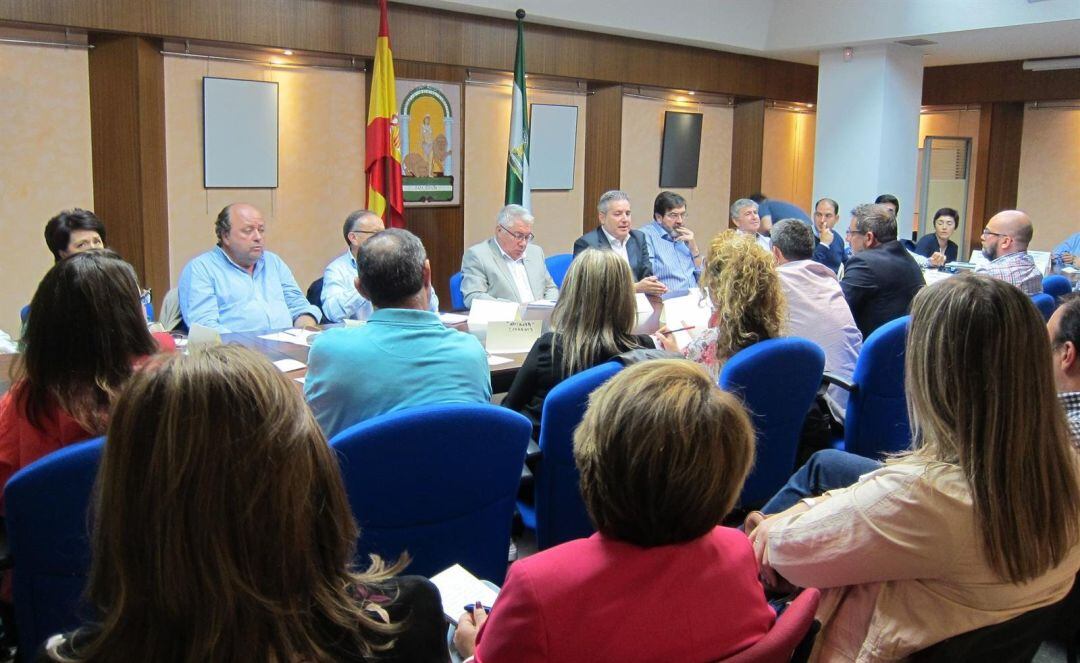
(663, 454)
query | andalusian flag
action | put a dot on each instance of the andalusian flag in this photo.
(517, 161)
(383, 165)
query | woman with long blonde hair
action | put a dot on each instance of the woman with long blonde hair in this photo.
(222, 532)
(740, 279)
(593, 321)
(977, 523)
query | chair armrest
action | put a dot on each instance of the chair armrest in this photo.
(844, 383)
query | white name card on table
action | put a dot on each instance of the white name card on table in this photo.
(202, 335)
(512, 336)
(485, 311)
(459, 588)
(289, 365)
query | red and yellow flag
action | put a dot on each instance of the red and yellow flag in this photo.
(383, 163)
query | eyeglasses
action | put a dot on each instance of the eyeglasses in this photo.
(986, 232)
(677, 215)
(528, 237)
(364, 232)
(855, 232)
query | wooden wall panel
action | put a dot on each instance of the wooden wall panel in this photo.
(428, 35)
(747, 148)
(997, 82)
(997, 166)
(127, 126)
(441, 229)
(603, 149)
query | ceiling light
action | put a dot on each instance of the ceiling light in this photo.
(691, 93)
(1052, 64)
(286, 52)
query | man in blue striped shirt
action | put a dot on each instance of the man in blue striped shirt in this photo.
(676, 260)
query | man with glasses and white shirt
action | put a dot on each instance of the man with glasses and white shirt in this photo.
(340, 299)
(676, 260)
(508, 266)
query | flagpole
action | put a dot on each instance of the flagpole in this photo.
(517, 158)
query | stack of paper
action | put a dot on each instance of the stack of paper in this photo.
(460, 588)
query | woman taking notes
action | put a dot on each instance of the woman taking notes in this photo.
(660, 581)
(977, 523)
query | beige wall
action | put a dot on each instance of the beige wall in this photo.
(953, 123)
(322, 116)
(45, 161)
(487, 129)
(1049, 187)
(642, 134)
(787, 169)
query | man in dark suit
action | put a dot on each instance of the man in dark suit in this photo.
(881, 278)
(615, 234)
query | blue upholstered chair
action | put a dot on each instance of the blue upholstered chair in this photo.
(47, 529)
(456, 298)
(777, 379)
(876, 420)
(558, 513)
(557, 266)
(1045, 303)
(1056, 286)
(436, 481)
(24, 313)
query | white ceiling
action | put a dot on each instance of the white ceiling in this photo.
(965, 30)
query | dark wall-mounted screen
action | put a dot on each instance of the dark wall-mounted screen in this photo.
(681, 150)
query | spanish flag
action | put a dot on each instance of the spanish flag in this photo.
(383, 163)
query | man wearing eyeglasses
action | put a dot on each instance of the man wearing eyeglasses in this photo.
(881, 278)
(676, 260)
(508, 266)
(1004, 243)
(340, 298)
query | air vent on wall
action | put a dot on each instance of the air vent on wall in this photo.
(916, 42)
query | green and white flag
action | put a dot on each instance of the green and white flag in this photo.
(517, 160)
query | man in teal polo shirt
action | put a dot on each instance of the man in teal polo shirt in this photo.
(404, 356)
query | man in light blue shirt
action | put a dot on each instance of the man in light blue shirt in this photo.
(404, 356)
(676, 260)
(340, 299)
(1067, 254)
(238, 286)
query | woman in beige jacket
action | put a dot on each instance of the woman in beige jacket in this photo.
(979, 522)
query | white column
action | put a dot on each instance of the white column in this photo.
(867, 128)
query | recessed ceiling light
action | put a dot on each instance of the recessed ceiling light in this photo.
(691, 93)
(286, 52)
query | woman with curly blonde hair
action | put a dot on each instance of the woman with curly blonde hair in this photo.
(740, 279)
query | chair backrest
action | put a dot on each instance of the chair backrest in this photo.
(785, 635)
(24, 313)
(457, 300)
(1012, 641)
(438, 481)
(1045, 303)
(877, 419)
(314, 293)
(560, 511)
(557, 266)
(48, 533)
(1056, 286)
(777, 379)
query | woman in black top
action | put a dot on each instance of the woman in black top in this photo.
(593, 321)
(938, 247)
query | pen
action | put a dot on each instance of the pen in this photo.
(672, 331)
(472, 606)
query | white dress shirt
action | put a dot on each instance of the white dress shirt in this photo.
(521, 277)
(618, 246)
